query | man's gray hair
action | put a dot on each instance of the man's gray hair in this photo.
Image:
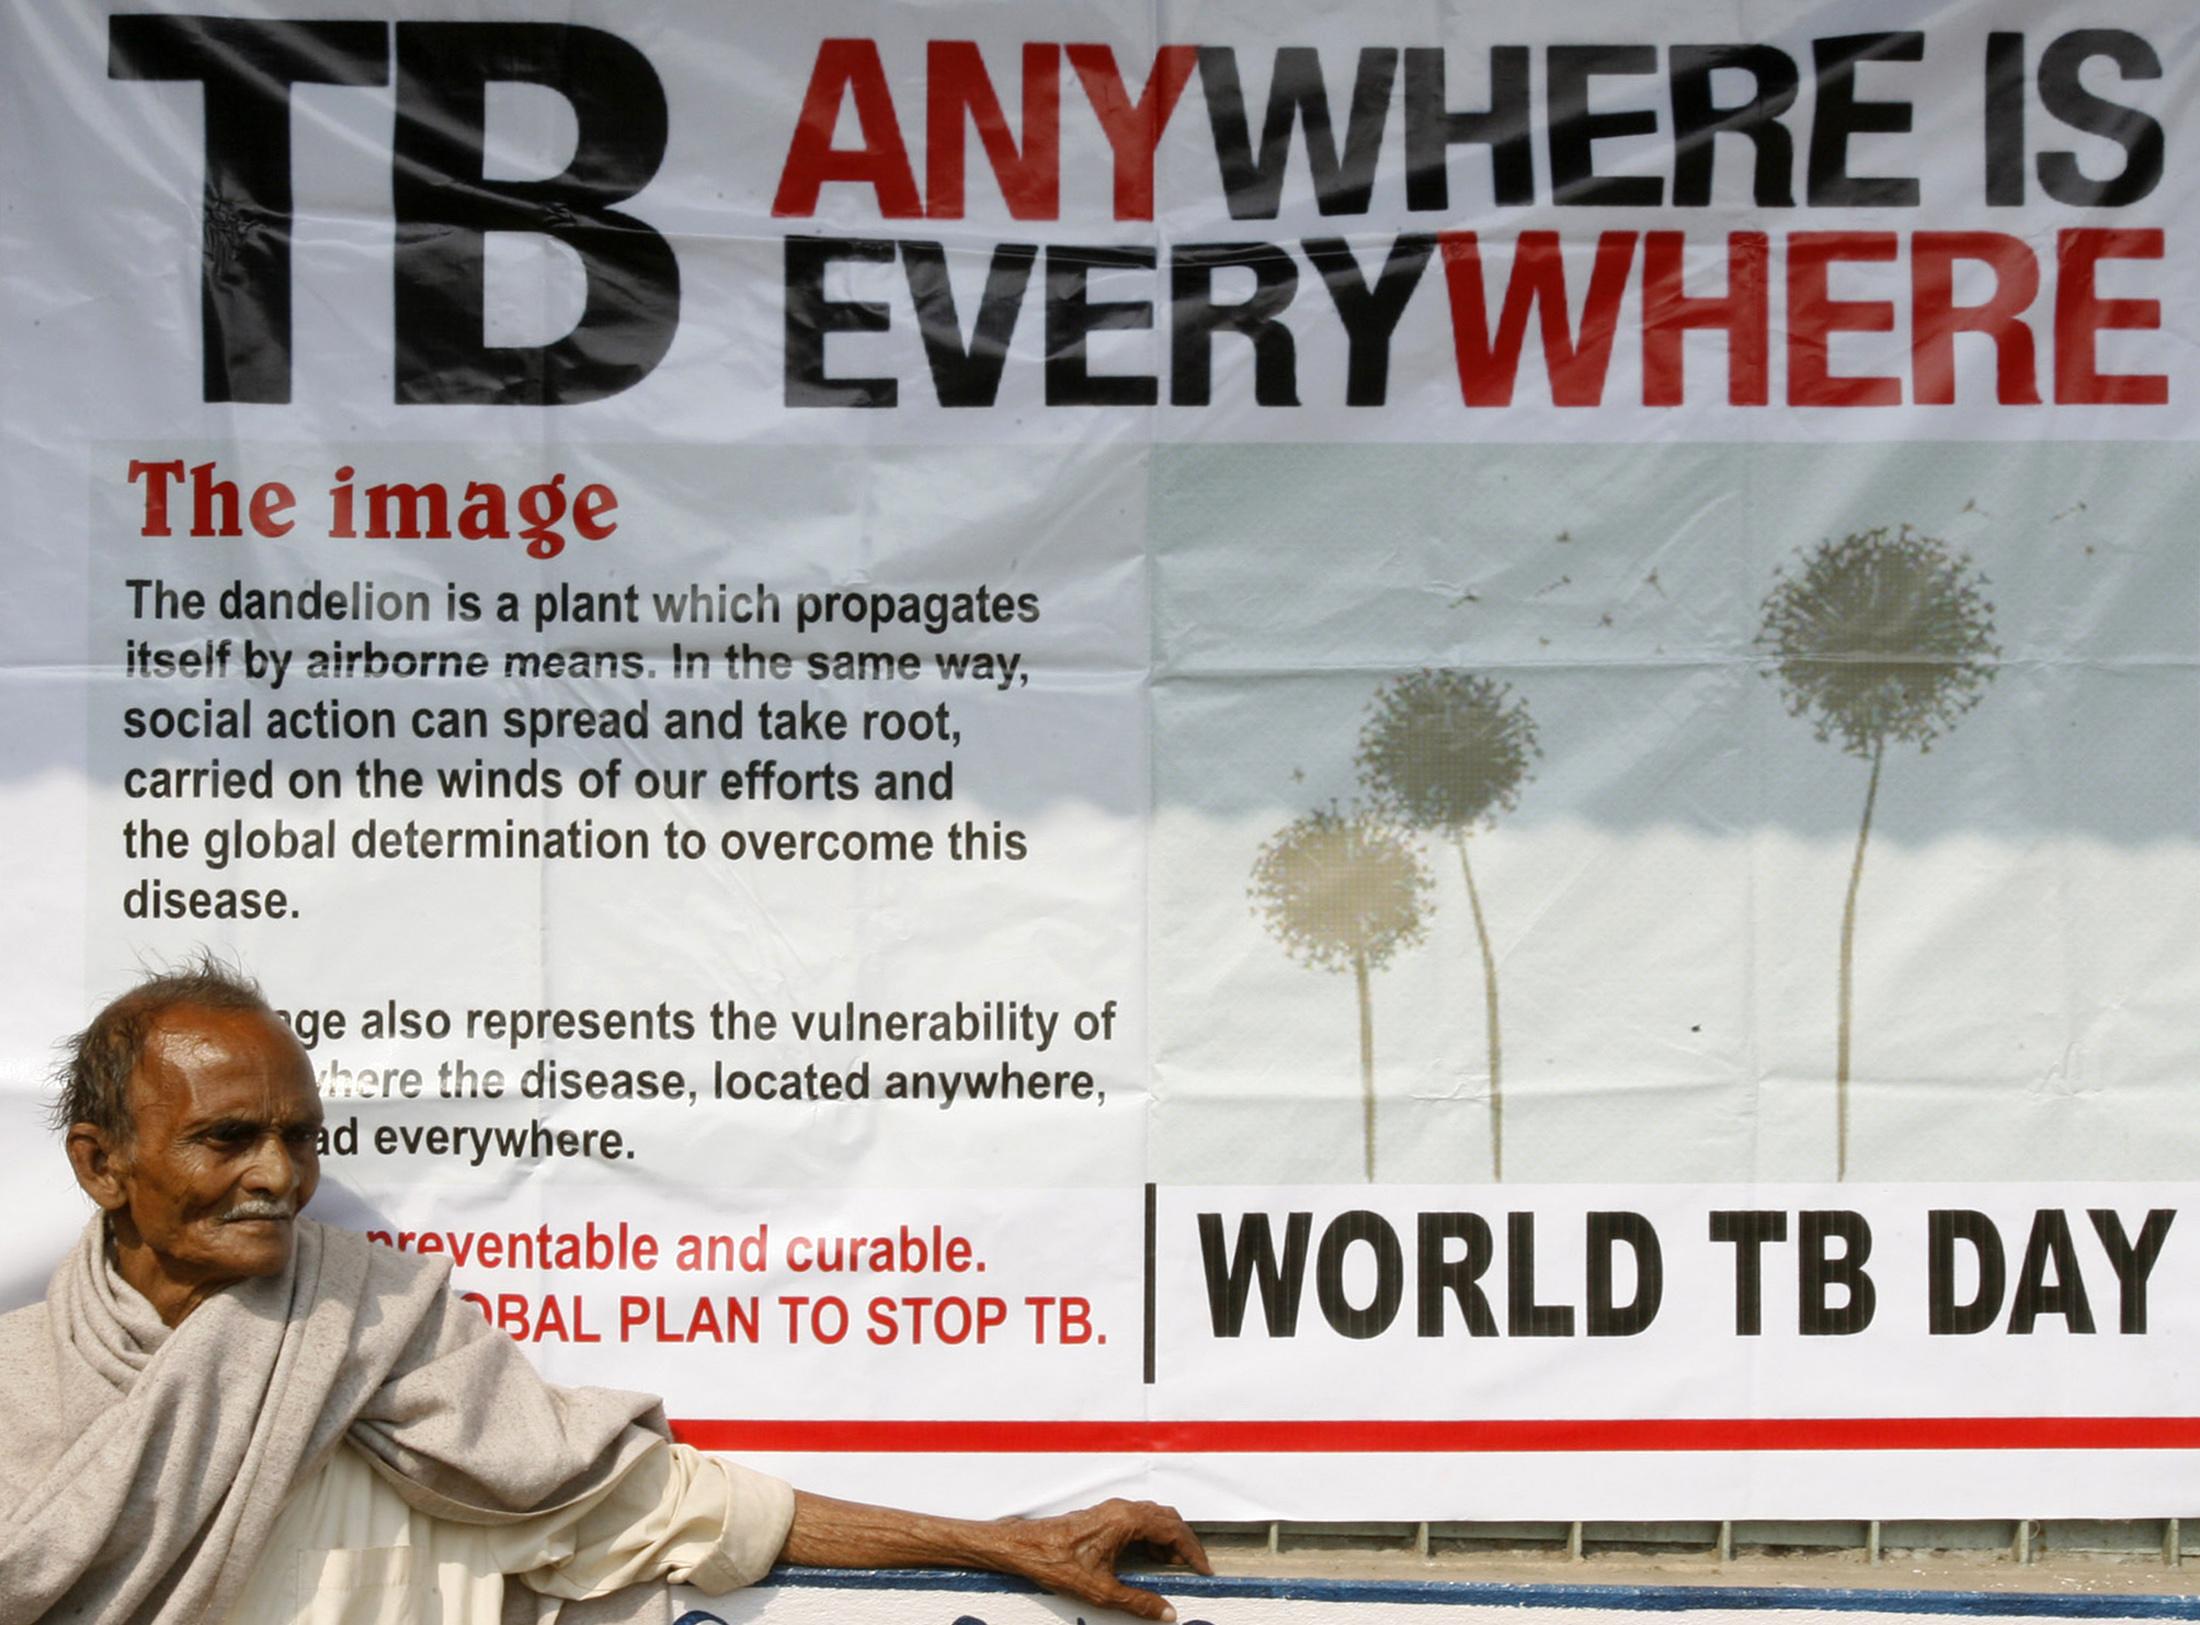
(94, 1075)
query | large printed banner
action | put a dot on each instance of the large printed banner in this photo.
(1362, 761)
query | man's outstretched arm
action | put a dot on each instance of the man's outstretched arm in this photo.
(1074, 1553)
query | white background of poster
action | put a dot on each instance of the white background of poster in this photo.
(1221, 591)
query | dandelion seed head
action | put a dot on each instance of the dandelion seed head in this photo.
(1338, 885)
(1447, 749)
(1880, 637)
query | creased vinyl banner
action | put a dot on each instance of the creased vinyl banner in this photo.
(1333, 761)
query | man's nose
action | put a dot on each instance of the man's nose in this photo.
(273, 1170)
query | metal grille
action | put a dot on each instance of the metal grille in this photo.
(2021, 1541)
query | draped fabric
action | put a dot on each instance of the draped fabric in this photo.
(142, 1467)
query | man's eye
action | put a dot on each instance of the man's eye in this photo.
(306, 1134)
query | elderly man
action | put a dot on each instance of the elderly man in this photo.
(225, 1412)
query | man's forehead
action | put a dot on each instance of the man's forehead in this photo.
(198, 1060)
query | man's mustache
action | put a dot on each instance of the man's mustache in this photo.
(244, 1212)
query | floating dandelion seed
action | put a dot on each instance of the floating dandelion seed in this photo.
(1343, 890)
(1877, 639)
(1449, 750)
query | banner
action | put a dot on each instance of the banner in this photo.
(1328, 762)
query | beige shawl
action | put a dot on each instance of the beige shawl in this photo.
(141, 1469)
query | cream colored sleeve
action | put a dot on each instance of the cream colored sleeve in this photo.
(675, 1515)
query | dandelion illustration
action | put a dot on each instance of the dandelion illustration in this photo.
(1879, 639)
(1343, 890)
(1449, 751)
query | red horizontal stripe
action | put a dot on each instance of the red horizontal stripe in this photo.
(1304, 1437)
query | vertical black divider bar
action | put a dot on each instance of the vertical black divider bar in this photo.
(1150, 1228)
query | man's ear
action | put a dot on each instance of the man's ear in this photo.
(97, 1160)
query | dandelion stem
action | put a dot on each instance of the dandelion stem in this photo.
(1489, 1000)
(1367, 1059)
(1848, 971)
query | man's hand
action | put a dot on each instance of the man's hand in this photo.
(1074, 1553)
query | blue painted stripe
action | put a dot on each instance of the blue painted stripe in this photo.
(1492, 1594)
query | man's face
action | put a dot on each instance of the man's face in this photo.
(223, 1154)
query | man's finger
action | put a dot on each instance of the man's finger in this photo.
(1131, 1600)
(1162, 1529)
